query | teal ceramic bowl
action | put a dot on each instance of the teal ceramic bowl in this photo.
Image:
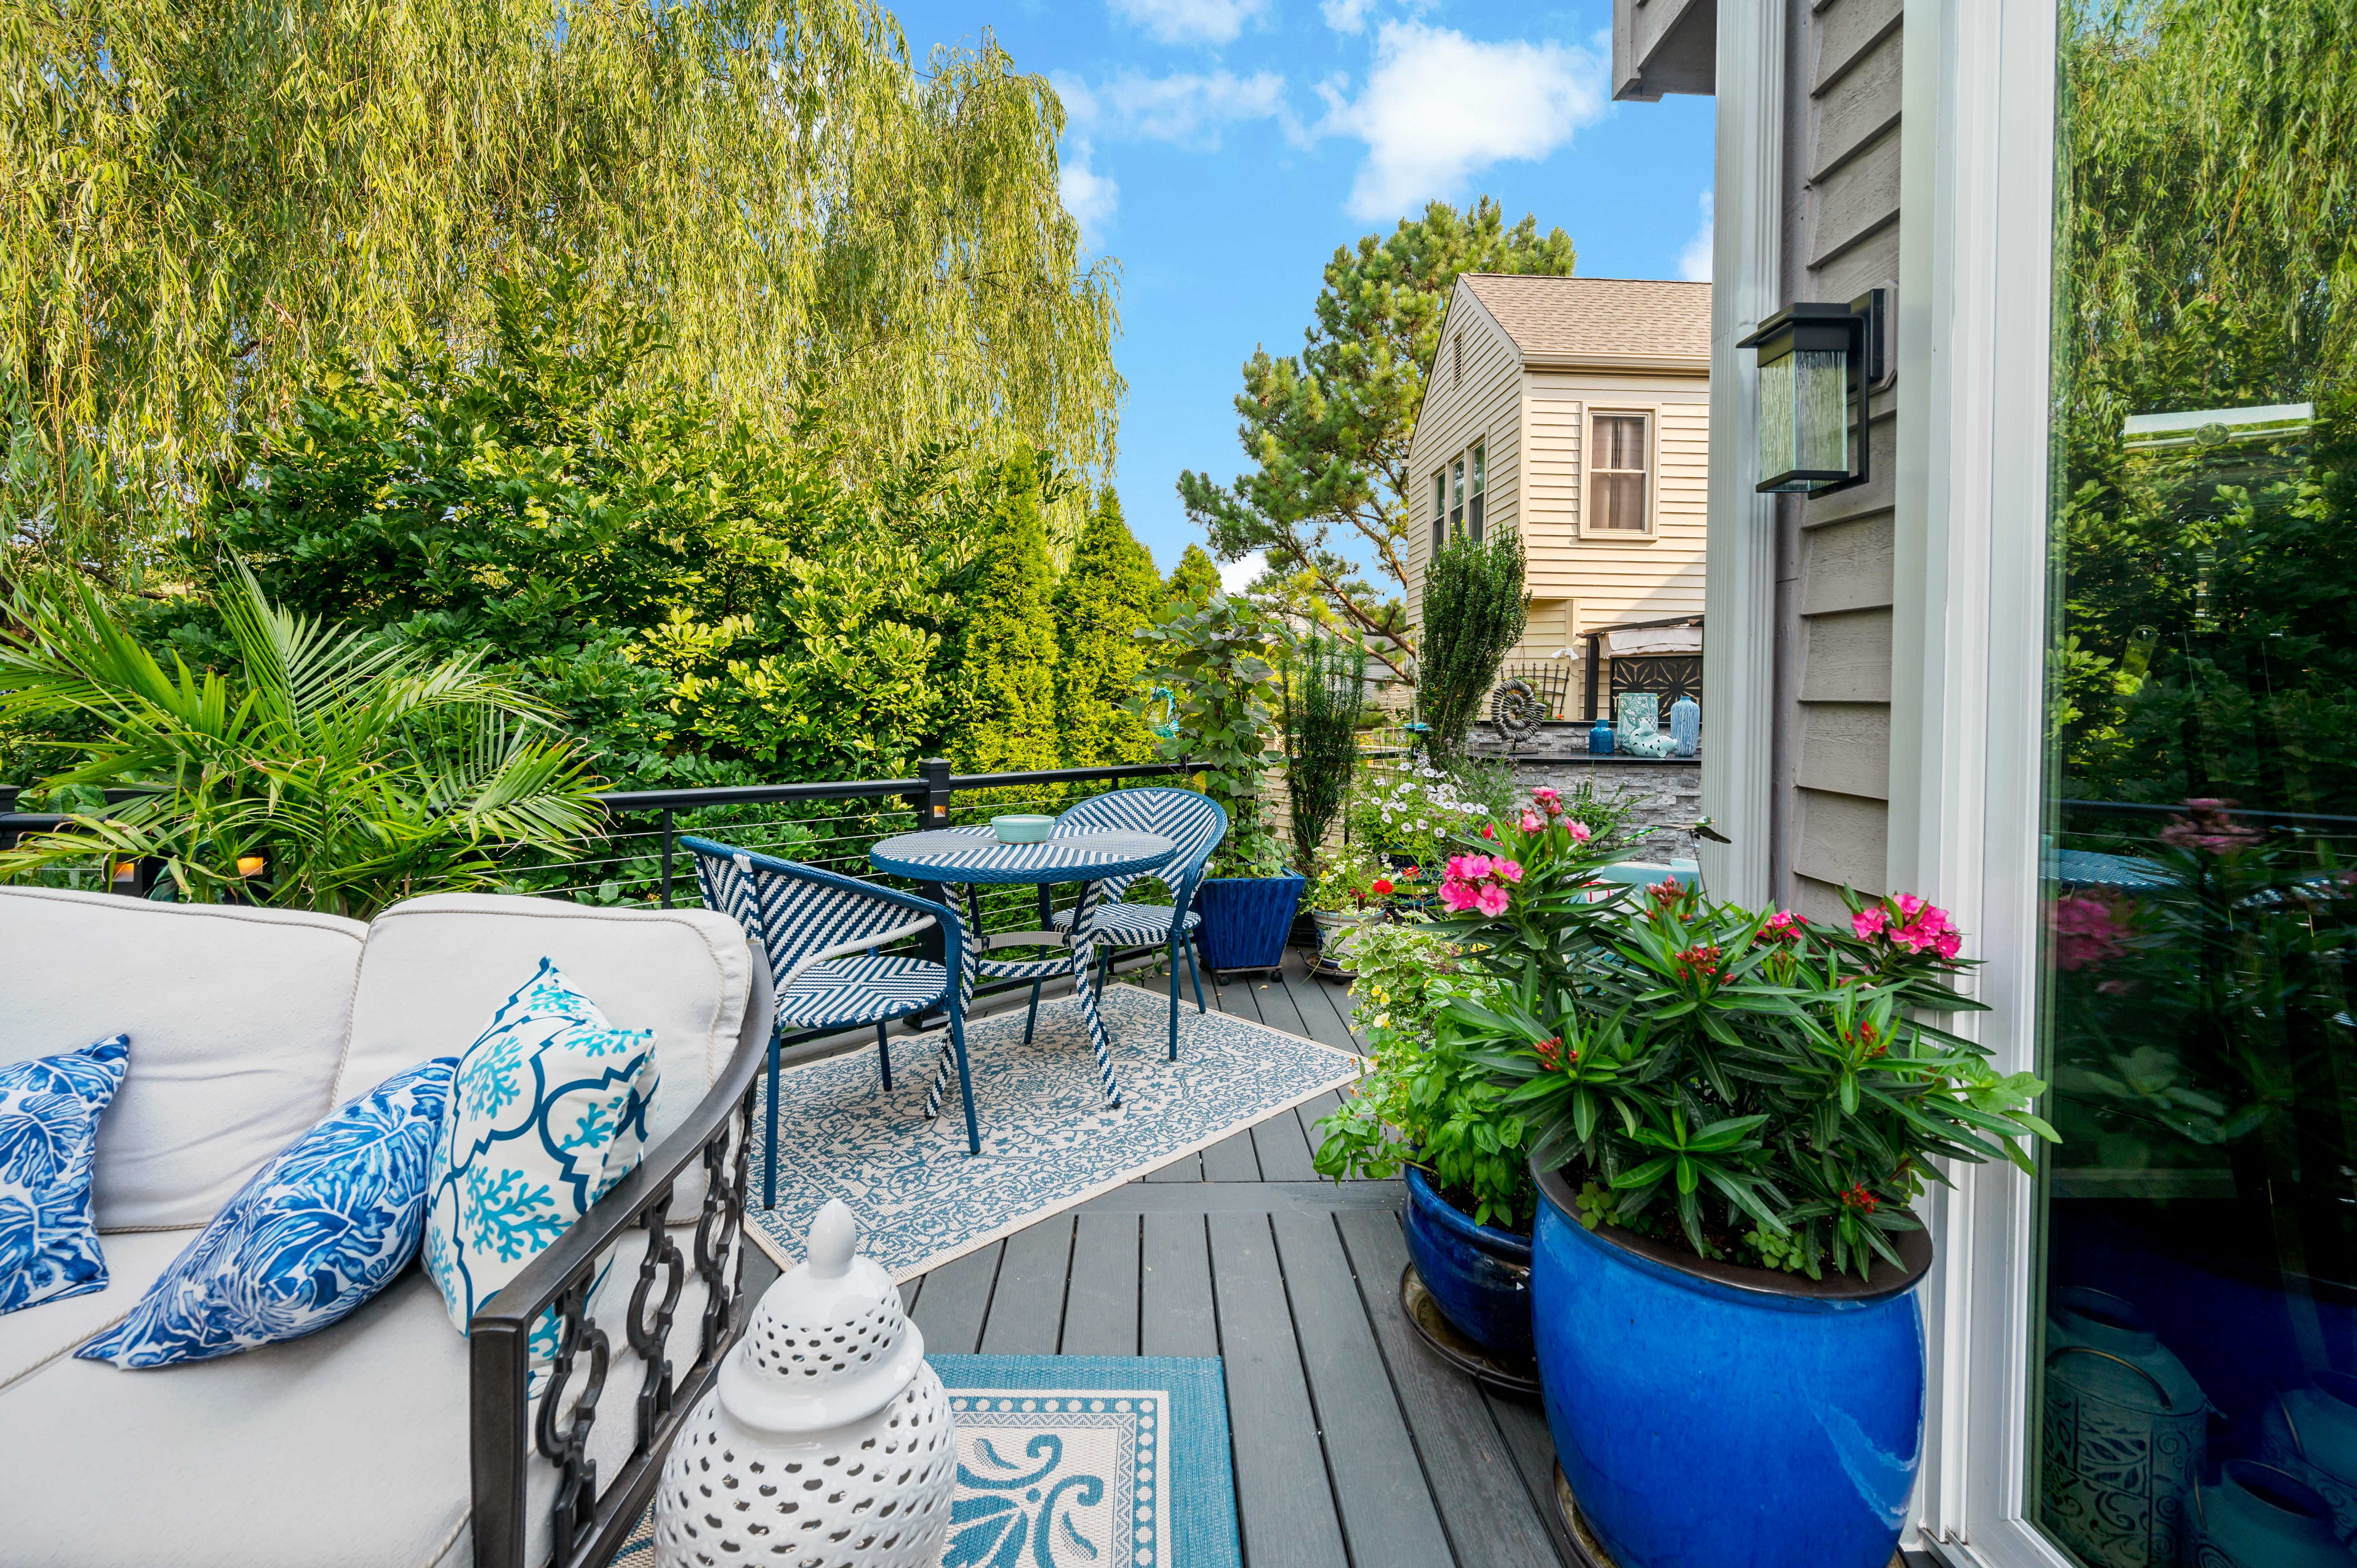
(1022, 829)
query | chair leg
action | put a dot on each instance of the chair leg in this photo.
(1195, 970)
(769, 1173)
(966, 1083)
(884, 1055)
(1104, 970)
(1174, 998)
(1031, 1018)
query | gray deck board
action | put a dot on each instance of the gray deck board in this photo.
(1353, 1447)
(1387, 1510)
(1283, 1500)
(1482, 1501)
(1027, 1310)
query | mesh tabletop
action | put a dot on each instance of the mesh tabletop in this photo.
(975, 855)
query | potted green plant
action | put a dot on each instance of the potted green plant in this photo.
(1345, 897)
(1730, 1115)
(1216, 659)
(1427, 1109)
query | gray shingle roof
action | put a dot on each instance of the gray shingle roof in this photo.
(1598, 320)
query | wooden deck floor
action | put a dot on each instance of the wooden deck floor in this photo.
(1354, 1447)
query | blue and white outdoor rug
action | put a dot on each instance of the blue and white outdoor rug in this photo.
(1079, 1462)
(1048, 1139)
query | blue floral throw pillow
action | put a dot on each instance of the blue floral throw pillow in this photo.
(549, 1111)
(49, 1107)
(320, 1229)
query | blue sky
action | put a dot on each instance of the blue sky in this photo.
(1223, 149)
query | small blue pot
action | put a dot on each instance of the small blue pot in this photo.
(1246, 919)
(1480, 1274)
(1712, 1416)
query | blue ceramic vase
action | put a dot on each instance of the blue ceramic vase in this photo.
(1479, 1275)
(1599, 739)
(1246, 919)
(1713, 1416)
(2260, 1516)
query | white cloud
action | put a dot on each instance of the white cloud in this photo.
(1346, 16)
(1439, 106)
(1693, 262)
(1237, 575)
(1089, 197)
(1189, 108)
(1190, 21)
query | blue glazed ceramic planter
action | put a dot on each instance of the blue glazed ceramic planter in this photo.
(1711, 1416)
(1480, 1274)
(1246, 919)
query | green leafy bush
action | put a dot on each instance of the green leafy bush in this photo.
(1762, 1087)
(340, 772)
(1322, 677)
(1425, 1101)
(1217, 658)
(1474, 612)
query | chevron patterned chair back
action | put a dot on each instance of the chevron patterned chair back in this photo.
(1196, 823)
(821, 933)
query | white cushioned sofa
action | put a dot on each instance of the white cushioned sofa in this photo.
(388, 1439)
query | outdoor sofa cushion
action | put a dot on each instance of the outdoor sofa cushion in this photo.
(30, 1340)
(346, 1448)
(49, 1111)
(329, 1223)
(236, 1017)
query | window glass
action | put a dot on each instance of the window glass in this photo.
(1456, 495)
(1616, 473)
(1480, 489)
(1440, 512)
(2195, 1300)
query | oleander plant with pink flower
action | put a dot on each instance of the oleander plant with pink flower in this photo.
(1772, 1089)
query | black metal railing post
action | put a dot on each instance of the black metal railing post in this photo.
(668, 839)
(933, 811)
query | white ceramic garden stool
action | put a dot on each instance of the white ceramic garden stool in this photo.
(826, 1442)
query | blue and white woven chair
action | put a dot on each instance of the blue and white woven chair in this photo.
(820, 932)
(1196, 823)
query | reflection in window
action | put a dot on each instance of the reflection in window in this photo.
(1440, 512)
(1480, 489)
(1617, 473)
(2197, 1293)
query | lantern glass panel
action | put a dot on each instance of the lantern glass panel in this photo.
(1804, 419)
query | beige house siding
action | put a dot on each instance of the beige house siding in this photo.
(1533, 418)
(1484, 404)
(1831, 764)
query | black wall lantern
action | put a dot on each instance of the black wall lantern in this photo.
(1818, 362)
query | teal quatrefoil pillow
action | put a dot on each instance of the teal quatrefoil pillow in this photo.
(549, 1110)
(49, 1107)
(326, 1224)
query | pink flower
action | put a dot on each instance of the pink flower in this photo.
(2089, 930)
(1491, 900)
(1909, 905)
(1579, 833)
(1869, 923)
(1458, 895)
(1511, 870)
(1531, 822)
(1468, 868)
(1488, 832)
(1549, 801)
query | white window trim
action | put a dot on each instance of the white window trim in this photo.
(1977, 186)
(1651, 412)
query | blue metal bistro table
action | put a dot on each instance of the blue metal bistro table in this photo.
(974, 857)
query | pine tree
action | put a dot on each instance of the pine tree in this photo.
(1109, 591)
(1197, 577)
(1009, 667)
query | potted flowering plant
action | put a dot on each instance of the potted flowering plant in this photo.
(1345, 897)
(1730, 1115)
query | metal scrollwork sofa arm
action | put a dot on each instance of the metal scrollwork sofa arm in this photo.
(591, 1521)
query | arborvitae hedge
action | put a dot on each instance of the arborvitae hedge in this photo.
(1109, 590)
(1009, 722)
(1196, 578)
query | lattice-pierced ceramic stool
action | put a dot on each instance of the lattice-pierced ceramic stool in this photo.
(826, 1442)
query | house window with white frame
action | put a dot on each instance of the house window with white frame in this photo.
(1457, 498)
(1440, 510)
(1620, 473)
(1479, 491)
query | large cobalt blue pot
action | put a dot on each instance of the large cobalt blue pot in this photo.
(1246, 919)
(1479, 1275)
(1712, 1416)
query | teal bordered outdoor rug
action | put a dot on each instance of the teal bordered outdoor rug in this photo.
(1048, 1140)
(1079, 1462)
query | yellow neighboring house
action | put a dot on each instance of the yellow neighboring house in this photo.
(1576, 410)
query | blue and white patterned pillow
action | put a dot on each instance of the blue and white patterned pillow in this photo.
(320, 1229)
(549, 1111)
(49, 1107)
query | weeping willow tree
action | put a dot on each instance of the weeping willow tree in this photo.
(201, 202)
